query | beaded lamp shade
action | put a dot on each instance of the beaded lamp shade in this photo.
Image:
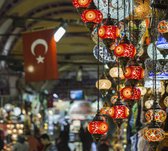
(130, 93)
(134, 72)
(159, 115)
(118, 112)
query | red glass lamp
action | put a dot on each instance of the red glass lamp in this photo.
(118, 112)
(91, 17)
(109, 32)
(81, 3)
(134, 72)
(130, 93)
(98, 127)
(125, 50)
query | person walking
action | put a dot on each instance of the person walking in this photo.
(21, 144)
(48, 146)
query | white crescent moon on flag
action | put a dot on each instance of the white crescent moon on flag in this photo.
(39, 42)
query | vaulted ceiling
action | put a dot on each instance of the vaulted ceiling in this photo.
(74, 50)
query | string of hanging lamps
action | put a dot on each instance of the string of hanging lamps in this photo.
(155, 116)
(127, 68)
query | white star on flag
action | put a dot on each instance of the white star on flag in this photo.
(40, 59)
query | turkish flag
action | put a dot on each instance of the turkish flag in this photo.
(40, 59)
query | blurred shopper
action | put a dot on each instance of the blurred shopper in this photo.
(34, 144)
(21, 144)
(48, 146)
(85, 138)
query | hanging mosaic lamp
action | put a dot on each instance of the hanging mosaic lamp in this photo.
(159, 115)
(125, 50)
(163, 28)
(81, 3)
(98, 127)
(91, 17)
(130, 93)
(134, 72)
(109, 33)
(118, 112)
(103, 85)
(114, 73)
(153, 133)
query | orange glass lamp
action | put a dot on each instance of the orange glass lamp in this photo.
(81, 3)
(130, 93)
(153, 134)
(134, 72)
(91, 17)
(114, 73)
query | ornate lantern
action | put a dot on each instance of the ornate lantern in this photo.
(159, 115)
(130, 93)
(81, 3)
(97, 127)
(91, 17)
(119, 112)
(165, 101)
(103, 85)
(114, 72)
(163, 28)
(125, 50)
(134, 72)
(109, 32)
(154, 134)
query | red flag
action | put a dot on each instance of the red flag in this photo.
(40, 60)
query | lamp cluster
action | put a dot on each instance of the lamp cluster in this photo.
(126, 73)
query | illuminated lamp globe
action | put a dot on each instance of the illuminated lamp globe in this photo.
(118, 112)
(153, 134)
(159, 115)
(81, 3)
(163, 28)
(125, 50)
(133, 74)
(98, 127)
(130, 93)
(114, 73)
(103, 85)
(109, 32)
(149, 103)
(91, 17)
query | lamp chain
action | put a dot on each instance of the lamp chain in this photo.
(98, 68)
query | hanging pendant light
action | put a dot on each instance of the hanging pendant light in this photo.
(153, 133)
(109, 32)
(118, 112)
(125, 49)
(81, 3)
(91, 17)
(98, 127)
(130, 93)
(103, 84)
(163, 28)
(134, 72)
